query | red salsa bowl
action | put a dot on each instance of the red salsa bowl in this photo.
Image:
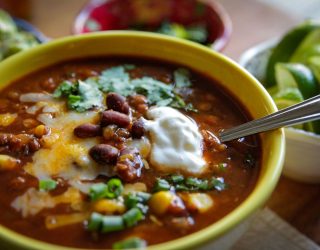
(204, 21)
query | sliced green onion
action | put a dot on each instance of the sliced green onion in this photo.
(132, 216)
(193, 182)
(130, 243)
(115, 188)
(111, 190)
(176, 178)
(161, 185)
(143, 196)
(47, 185)
(98, 191)
(217, 183)
(95, 221)
(112, 224)
(181, 187)
(204, 185)
(131, 200)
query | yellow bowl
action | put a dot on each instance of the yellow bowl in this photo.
(141, 44)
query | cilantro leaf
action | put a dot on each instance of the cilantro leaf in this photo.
(84, 95)
(182, 78)
(81, 96)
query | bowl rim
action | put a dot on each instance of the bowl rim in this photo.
(255, 200)
(219, 44)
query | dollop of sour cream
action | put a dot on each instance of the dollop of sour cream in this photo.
(176, 141)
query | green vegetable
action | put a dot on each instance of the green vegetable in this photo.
(161, 185)
(112, 224)
(182, 78)
(11, 39)
(179, 183)
(217, 183)
(310, 46)
(296, 82)
(130, 243)
(297, 76)
(132, 217)
(115, 188)
(111, 190)
(193, 182)
(98, 191)
(197, 33)
(95, 222)
(137, 200)
(84, 95)
(176, 178)
(286, 47)
(47, 185)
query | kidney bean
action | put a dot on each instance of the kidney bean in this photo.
(137, 129)
(113, 117)
(104, 154)
(87, 130)
(118, 103)
(34, 145)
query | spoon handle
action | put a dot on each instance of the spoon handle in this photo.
(308, 110)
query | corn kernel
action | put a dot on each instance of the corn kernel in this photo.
(7, 119)
(7, 162)
(160, 202)
(107, 206)
(48, 140)
(198, 201)
(41, 130)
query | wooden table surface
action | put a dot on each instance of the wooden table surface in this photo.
(253, 22)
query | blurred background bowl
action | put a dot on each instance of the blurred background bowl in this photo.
(103, 15)
(302, 148)
(25, 26)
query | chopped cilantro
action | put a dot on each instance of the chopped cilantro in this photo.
(197, 33)
(84, 95)
(182, 78)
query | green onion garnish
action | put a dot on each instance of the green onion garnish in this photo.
(130, 243)
(193, 182)
(217, 183)
(95, 221)
(115, 188)
(98, 191)
(161, 185)
(112, 224)
(132, 216)
(111, 190)
(47, 185)
(176, 178)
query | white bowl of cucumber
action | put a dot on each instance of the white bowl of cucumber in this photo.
(289, 68)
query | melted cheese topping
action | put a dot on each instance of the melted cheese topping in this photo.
(176, 141)
(64, 154)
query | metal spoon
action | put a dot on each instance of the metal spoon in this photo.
(306, 111)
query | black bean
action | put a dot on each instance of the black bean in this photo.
(104, 154)
(113, 117)
(137, 129)
(87, 130)
(118, 103)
